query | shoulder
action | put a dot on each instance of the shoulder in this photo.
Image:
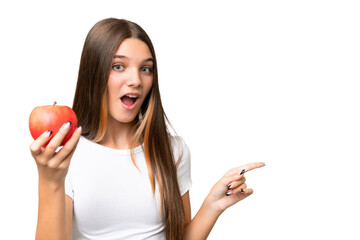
(84, 149)
(180, 149)
(183, 163)
(82, 145)
(177, 141)
(85, 145)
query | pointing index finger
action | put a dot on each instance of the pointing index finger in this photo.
(251, 166)
(245, 168)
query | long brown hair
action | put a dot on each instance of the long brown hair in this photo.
(90, 106)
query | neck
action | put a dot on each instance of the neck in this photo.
(117, 134)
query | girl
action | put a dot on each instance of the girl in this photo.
(128, 178)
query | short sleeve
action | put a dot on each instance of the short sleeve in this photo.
(68, 187)
(183, 164)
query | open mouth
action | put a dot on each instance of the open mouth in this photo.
(129, 100)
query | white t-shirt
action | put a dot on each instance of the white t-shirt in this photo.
(112, 198)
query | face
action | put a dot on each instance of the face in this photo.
(130, 80)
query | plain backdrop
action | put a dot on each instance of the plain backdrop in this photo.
(241, 81)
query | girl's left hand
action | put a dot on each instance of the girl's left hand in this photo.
(231, 188)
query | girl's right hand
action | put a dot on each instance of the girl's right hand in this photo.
(52, 165)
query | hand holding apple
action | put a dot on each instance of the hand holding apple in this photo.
(51, 117)
(51, 127)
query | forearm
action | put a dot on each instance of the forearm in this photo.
(200, 226)
(51, 214)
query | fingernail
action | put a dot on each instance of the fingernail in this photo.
(242, 190)
(48, 133)
(229, 187)
(228, 193)
(79, 129)
(67, 124)
(242, 172)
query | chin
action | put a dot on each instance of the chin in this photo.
(126, 119)
(123, 116)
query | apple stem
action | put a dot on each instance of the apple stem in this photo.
(55, 103)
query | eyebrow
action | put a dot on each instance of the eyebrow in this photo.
(122, 56)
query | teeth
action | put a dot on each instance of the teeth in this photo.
(132, 96)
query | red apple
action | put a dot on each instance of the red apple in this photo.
(51, 117)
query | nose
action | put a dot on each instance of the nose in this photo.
(134, 79)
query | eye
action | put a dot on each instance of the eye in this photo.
(146, 69)
(118, 67)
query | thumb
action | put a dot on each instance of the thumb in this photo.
(247, 192)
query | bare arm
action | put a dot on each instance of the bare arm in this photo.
(69, 215)
(52, 169)
(200, 226)
(51, 213)
(229, 190)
